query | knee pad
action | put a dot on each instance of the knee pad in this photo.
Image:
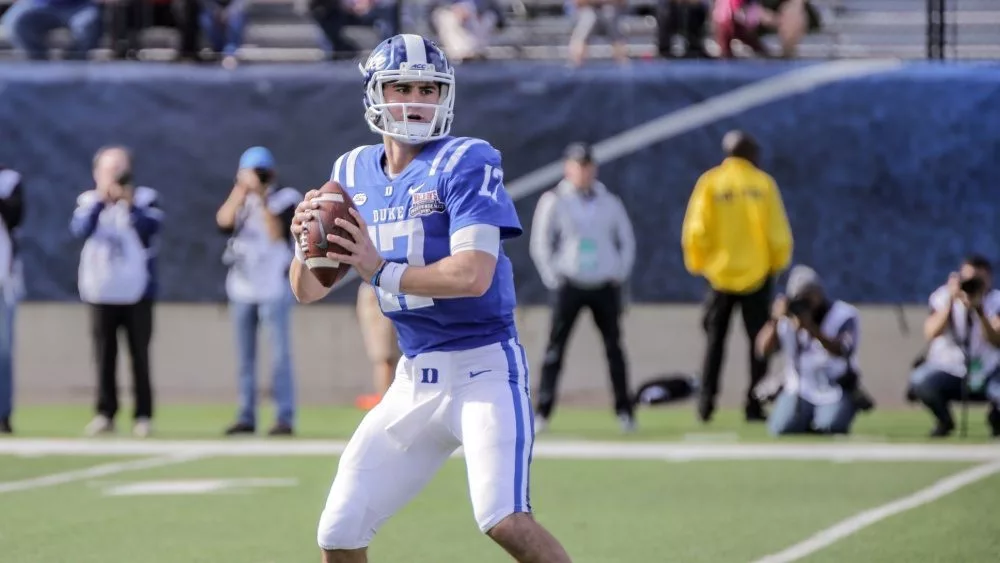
(344, 523)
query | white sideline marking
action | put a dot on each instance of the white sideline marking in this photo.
(543, 448)
(97, 471)
(681, 121)
(194, 486)
(864, 519)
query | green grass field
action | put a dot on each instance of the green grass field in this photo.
(675, 492)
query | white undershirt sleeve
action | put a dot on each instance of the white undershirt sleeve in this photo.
(485, 238)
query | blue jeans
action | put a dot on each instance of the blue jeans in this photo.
(276, 315)
(225, 36)
(936, 389)
(794, 415)
(6, 358)
(28, 23)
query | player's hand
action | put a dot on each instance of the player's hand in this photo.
(304, 212)
(363, 255)
(780, 307)
(954, 285)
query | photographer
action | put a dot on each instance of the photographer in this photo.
(819, 338)
(119, 223)
(257, 216)
(963, 334)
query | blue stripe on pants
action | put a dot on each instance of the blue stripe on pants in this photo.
(519, 469)
(531, 416)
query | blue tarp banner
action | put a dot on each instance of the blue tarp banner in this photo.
(888, 179)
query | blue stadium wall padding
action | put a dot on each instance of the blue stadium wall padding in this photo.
(888, 180)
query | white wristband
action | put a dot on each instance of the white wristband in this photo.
(391, 275)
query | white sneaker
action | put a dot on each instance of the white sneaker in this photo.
(99, 425)
(541, 424)
(142, 428)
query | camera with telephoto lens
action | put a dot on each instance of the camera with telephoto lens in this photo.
(798, 307)
(972, 286)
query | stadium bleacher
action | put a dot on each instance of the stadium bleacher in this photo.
(538, 29)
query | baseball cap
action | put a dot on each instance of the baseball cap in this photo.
(581, 152)
(257, 157)
(800, 279)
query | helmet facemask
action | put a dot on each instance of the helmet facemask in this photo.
(378, 111)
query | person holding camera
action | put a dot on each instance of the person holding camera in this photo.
(963, 353)
(119, 223)
(819, 339)
(11, 284)
(257, 216)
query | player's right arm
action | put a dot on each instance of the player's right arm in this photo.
(305, 286)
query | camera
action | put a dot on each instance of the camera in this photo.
(798, 307)
(972, 286)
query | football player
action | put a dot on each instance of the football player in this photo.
(432, 213)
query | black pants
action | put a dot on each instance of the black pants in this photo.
(137, 320)
(684, 19)
(605, 304)
(756, 310)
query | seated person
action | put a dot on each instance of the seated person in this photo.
(819, 339)
(684, 18)
(28, 23)
(749, 20)
(223, 22)
(333, 16)
(465, 27)
(967, 301)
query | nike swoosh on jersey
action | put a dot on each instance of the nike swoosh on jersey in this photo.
(415, 189)
(475, 373)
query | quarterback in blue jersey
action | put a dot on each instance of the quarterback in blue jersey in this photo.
(432, 214)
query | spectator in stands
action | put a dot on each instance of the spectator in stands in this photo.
(11, 285)
(258, 217)
(819, 339)
(735, 234)
(685, 18)
(381, 344)
(963, 333)
(583, 246)
(223, 22)
(117, 277)
(28, 23)
(749, 20)
(127, 18)
(332, 16)
(597, 15)
(465, 27)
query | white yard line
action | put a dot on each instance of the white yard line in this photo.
(544, 448)
(97, 471)
(845, 528)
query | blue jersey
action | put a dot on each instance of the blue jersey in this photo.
(453, 183)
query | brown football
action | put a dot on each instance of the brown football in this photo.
(333, 202)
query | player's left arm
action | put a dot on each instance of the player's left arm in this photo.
(481, 214)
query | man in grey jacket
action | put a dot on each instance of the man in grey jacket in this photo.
(584, 248)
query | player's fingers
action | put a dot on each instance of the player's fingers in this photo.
(345, 258)
(349, 227)
(347, 244)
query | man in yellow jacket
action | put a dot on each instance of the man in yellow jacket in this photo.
(736, 235)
